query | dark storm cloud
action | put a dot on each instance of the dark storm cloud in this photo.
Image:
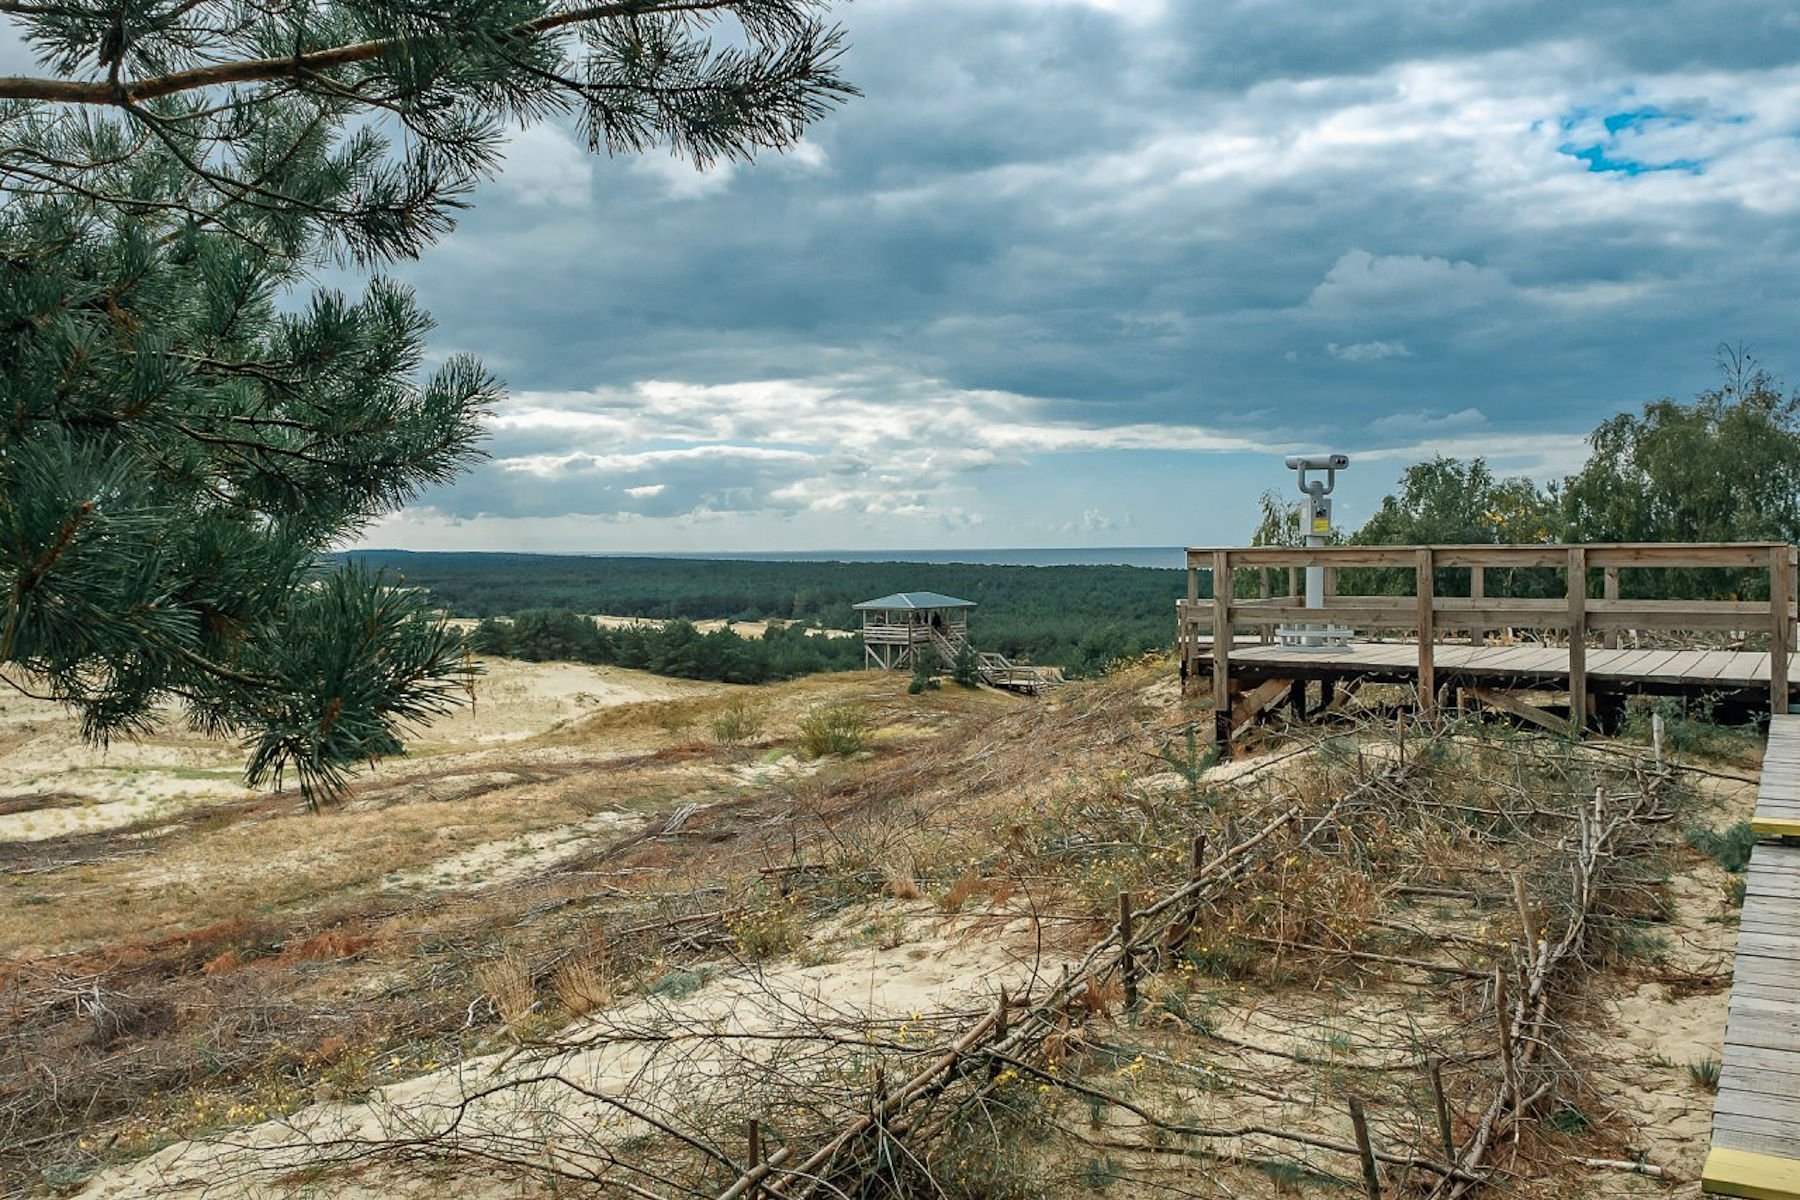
(1239, 43)
(1150, 219)
(1056, 228)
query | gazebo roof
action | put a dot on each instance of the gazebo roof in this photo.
(913, 600)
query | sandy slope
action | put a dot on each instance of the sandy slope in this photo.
(52, 783)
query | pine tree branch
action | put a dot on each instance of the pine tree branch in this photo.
(128, 92)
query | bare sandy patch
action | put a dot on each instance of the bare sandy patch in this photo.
(53, 784)
(930, 966)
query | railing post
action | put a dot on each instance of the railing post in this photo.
(1578, 713)
(1222, 651)
(1426, 588)
(1477, 592)
(1779, 630)
(1610, 639)
(1265, 633)
(1188, 633)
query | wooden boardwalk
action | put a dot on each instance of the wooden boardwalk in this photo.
(1672, 669)
(1756, 1118)
(1451, 652)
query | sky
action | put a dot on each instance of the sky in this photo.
(1079, 272)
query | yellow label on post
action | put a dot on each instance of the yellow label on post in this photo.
(1321, 525)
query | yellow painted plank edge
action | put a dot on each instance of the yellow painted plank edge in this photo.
(1751, 1176)
(1775, 826)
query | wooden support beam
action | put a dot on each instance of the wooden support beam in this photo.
(1423, 570)
(1221, 648)
(1779, 630)
(1251, 704)
(1578, 698)
(1517, 707)
(1477, 593)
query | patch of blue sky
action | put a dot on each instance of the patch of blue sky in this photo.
(1601, 160)
(1608, 155)
(1637, 119)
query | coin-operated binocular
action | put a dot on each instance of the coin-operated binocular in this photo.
(1318, 528)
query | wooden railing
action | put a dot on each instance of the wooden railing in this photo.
(1432, 615)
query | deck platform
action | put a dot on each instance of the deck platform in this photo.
(1398, 661)
(1756, 1118)
(1575, 643)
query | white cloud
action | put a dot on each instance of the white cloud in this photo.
(802, 157)
(1428, 422)
(681, 179)
(544, 166)
(1367, 351)
(1545, 456)
(1360, 283)
(874, 445)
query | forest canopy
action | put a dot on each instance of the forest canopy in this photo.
(1077, 617)
(1724, 467)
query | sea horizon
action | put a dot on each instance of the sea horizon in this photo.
(1158, 557)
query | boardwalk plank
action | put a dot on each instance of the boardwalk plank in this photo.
(1758, 1105)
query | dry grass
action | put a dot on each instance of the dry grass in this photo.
(335, 979)
(582, 986)
(901, 879)
(999, 810)
(511, 987)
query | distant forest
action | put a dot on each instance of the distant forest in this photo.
(672, 647)
(1077, 617)
(1725, 467)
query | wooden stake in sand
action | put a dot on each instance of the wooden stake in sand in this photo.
(999, 1032)
(1127, 971)
(1502, 1010)
(754, 1156)
(1360, 1123)
(1527, 927)
(1436, 1069)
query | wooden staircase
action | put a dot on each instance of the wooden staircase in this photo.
(995, 670)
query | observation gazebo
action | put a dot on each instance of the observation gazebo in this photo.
(898, 628)
(901, 630)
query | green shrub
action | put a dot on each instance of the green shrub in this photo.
(924, 679)
(1731, 845)
(679, 985)
(739, 722)
(967, 669)
(835, 728)
(1690, 730)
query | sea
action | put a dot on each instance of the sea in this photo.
(1173, 557)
